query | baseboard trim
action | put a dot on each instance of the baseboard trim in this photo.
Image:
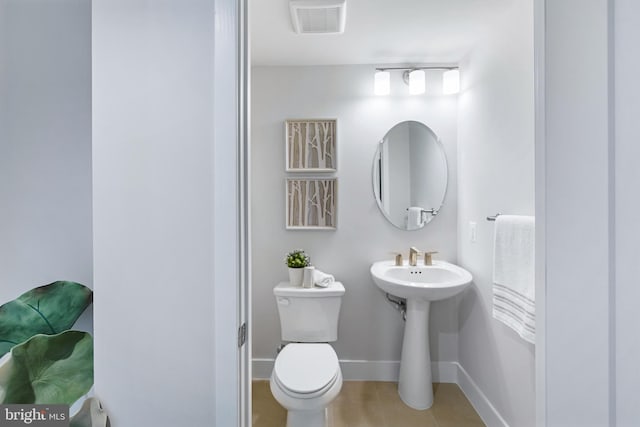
(479, 400)
(369, 370)
(388, 370)
(261, 368)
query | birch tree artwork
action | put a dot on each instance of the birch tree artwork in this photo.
(311, 145)
(311, 203)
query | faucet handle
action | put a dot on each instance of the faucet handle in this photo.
(428, 260)
(398, 256)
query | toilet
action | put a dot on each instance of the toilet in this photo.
(306, 375)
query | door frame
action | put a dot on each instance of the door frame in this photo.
(231, 263)
(244, 180)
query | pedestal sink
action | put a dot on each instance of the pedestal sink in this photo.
(419, 285)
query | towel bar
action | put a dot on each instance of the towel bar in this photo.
(432, 211)
(493, 218)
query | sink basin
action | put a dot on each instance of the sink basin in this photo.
(428, 282)
(419, 285)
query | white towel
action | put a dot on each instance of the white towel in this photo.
(414, 218)
(322, 279)
(513, 274)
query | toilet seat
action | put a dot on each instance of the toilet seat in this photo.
(306, 370)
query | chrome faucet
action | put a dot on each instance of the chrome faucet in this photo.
(413, 256)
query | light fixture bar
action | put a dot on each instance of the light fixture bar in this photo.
(415, 78)
(416, 68)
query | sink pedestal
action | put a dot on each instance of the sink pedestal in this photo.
(414, 385)
(419, 285)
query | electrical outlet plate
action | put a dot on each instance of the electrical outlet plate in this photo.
(473, 231)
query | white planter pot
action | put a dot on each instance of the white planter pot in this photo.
(295, 276)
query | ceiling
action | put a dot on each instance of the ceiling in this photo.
(377, 32)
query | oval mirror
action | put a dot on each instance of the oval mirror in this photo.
(410, 175)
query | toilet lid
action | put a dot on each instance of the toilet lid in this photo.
(306, 367)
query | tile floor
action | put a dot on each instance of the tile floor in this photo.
(375, 404)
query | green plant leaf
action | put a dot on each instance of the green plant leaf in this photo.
(50, 369)
(48, 309)
(297, 259)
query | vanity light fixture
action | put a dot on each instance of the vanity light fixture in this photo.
(415, 77)
(451, 82)
(416, 82)
(382, 82)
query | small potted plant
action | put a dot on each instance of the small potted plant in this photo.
(296, 260)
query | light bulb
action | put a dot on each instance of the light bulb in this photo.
(382, 83)
(416, 82)
(450, 82)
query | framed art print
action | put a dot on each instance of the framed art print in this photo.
(311, 203)
(311, 145)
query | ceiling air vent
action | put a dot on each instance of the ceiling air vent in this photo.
(318, 16)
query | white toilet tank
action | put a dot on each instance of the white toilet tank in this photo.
(309, 314)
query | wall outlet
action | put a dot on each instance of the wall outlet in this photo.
(473, 233)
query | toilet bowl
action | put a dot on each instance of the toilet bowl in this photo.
(306, 378)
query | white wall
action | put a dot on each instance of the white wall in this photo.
(156, 212)
(496, 174)
(627, 234)
(45, 145)
(370, 328)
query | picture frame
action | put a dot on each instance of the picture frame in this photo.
(311, 145)
(311, 203)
